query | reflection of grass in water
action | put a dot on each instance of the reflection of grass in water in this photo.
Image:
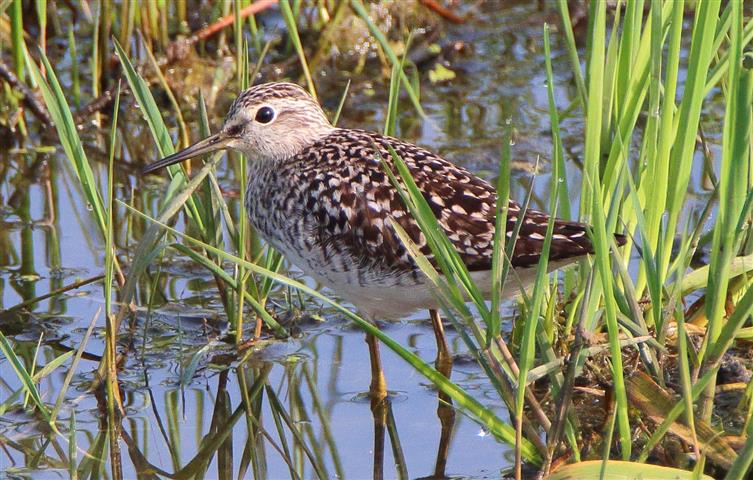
(628, 78)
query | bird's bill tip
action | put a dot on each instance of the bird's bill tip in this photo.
(208, 145)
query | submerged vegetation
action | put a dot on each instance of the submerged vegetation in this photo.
(638, 358)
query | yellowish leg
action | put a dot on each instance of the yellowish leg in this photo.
(378, 388)
(378, 397)
(379, 412)
(446, 415)
(444, 359)
(445, 411)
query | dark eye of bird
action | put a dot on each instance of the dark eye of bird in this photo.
(265, 115)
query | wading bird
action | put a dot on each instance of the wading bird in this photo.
(320, 195)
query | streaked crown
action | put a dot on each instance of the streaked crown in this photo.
(274, 120)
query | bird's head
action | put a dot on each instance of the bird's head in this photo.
(266, 122)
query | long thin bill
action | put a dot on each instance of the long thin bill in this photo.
(209, 144)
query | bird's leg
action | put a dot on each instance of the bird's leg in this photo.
(378, 388)
(446, 414)
(378, 397)
(379, 411)
(443, 362)
(445, 411)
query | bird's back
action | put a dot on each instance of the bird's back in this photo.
(329, 209)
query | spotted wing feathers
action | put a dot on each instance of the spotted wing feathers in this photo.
(354, 202)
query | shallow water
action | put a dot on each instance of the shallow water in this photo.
(48, 240)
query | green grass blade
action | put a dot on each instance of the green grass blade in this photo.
(61, 115)
(340, 105)
(17, 37)
(109, 241)
(157, 127)
(75, 77)
(742, 463)
(52, 365)
(72, 369)
(72, 448)
(390, 119)
(527, 351)
(558, 155)
(593, 201)
(500, 230)
(572, 51)
(287, 15)
(690, 110)
(735, 171)
(656, 184)
(150, 111)
(23, 375)
(244, 229)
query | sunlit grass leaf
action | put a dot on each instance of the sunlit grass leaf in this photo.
(689, 116)
(17, 36)
(592, 470)
(52, 365)
(23, 375)
(733, 187)
(149, 109)
(572, 51)
(72, 447)
(698, 278)
(390, 119)
(72, 369)
(591, 200)
(153, 116)
(341, 104)
(654, 403)
(187, 373)
(61, 115)
(290, 22)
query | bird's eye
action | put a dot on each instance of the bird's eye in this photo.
(265, 115)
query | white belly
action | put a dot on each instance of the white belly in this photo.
(397, 297)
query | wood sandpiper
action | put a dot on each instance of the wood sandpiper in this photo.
(319, 194)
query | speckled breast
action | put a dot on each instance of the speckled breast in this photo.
(280, 207)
